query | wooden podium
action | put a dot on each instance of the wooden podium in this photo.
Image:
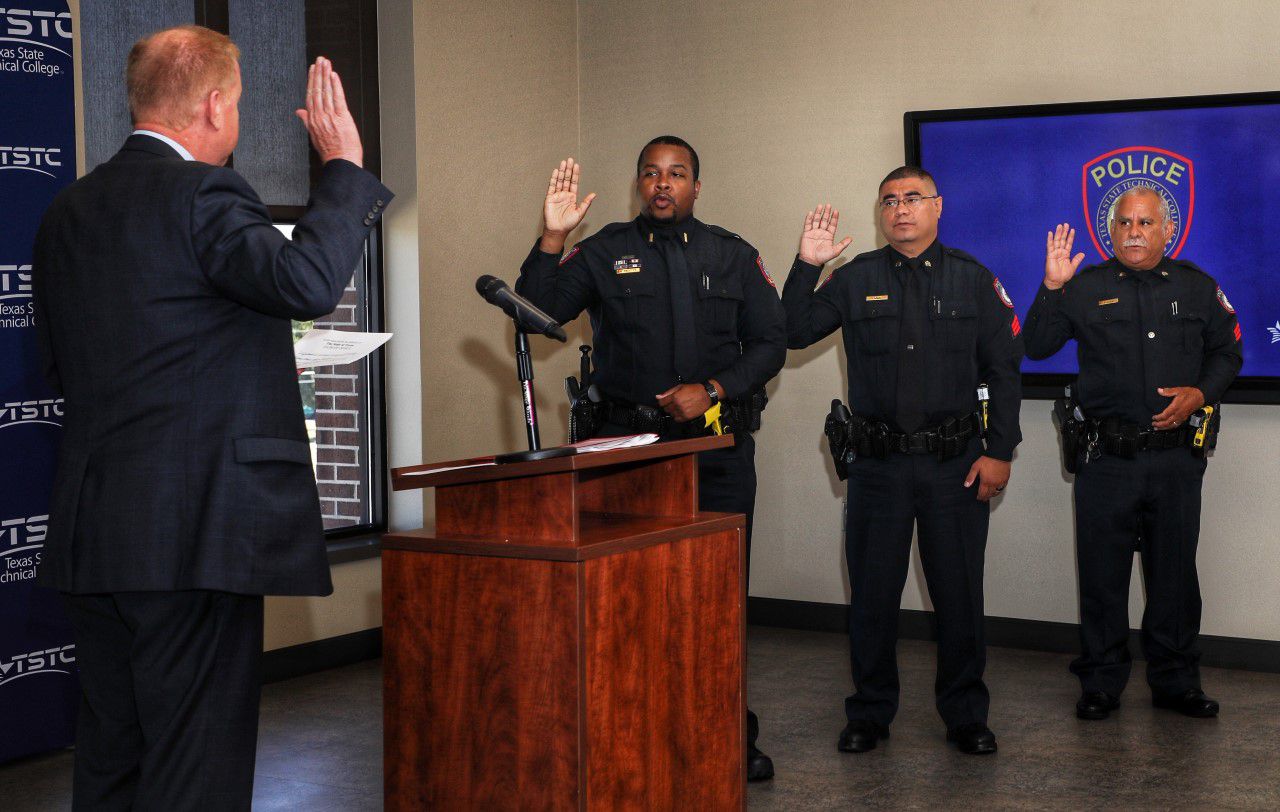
(570, 636)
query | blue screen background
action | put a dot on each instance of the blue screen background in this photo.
(1005, 182)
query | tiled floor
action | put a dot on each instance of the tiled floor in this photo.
(320, 746)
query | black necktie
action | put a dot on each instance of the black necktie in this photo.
(911, 375)
(684, 346)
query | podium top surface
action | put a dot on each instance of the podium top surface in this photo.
(482, 469)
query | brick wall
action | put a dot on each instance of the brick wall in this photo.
(341, 444)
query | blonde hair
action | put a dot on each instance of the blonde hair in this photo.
(171, 71)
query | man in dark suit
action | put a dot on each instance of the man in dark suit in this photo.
(184, 490)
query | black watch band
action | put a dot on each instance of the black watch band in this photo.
(711, 392)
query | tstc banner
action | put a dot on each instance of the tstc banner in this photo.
(38, 685)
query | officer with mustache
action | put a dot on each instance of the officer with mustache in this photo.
(1157, 340)
(684, 318)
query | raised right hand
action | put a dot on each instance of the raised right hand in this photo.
(1059, 265)
(328, 121)
(561, 211)
(817, 241)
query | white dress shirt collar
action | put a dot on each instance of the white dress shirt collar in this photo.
(181, 150)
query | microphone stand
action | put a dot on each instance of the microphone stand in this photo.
(524, 372)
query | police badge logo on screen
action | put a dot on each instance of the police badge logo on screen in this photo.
(1113, 173)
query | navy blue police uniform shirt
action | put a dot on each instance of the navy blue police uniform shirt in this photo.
(1137, 331)
(972, 336)
(619, 276)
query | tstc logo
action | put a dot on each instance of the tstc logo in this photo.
(25, 22)
(21, 548)
(16, 308)
(22, 535)
(30, 158)
(47, 661)
(15, 282)
(29, 412)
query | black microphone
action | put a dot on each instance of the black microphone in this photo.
(526, 316)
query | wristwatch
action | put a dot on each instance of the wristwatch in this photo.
(711, 392)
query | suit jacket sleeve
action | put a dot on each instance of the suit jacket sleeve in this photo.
(250, 262)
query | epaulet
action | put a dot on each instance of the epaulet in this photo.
(720, 232)
(1190, 266)
(611, 228)
(867, 255)
(958, 254)
(1092, 268)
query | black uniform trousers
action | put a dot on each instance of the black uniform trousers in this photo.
(885, 499)
(170, 683)
(1151, 502)
(726, 484)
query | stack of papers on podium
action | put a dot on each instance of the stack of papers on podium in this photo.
(610, 443)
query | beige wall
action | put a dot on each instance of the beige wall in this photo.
(498, 91)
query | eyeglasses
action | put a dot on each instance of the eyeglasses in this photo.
(910, 201)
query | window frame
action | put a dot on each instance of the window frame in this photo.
(361, 540)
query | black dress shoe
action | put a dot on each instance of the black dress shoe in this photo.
(1096, 705)
(975, 738)
(759, 766)
(861, 735)
(1193, 703)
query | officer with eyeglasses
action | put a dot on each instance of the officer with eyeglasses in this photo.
(925, 326)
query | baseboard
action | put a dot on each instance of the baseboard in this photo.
(1036, 635)
(319, 655)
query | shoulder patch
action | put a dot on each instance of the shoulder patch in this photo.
(572, 253)
(1003, 294)
(763, 272)
(1222, 300)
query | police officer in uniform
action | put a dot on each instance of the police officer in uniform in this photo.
(684, 316)
(924, 326)
(1156, 340)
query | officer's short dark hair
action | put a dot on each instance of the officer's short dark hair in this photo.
(672, 140)
(904, 172)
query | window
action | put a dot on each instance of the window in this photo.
(342, 406)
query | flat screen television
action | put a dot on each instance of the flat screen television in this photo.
(1009, 174)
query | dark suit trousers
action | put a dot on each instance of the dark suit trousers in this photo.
(1152, 502)
(170, 683)
(886, 498)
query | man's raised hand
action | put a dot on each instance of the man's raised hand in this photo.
(328, 121)
(1059, 265)
(818, 240)
(561, 211)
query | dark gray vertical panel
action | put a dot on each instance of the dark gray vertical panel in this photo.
(107, 32)
(272, 154)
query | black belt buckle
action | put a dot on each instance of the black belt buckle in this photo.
(919, 443)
